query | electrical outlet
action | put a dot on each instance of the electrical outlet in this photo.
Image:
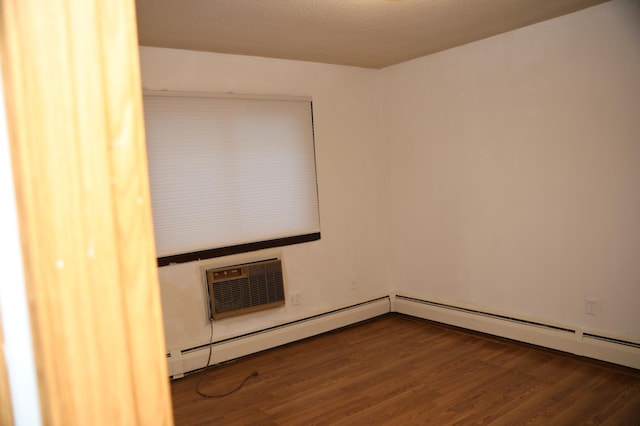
(294, 298)
(591, 306)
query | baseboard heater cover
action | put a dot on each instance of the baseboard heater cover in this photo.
(565, 339)
(195, 358)
(611, 350)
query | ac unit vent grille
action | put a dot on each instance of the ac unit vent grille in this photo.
(246, 288)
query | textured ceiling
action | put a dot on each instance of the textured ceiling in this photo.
(365, 33)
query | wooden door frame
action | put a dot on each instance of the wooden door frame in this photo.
(74, 117)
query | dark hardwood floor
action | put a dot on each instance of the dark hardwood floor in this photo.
(398, 370)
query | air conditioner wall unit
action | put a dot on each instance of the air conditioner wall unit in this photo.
(240, 289)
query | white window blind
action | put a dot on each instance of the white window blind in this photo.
(230, 171)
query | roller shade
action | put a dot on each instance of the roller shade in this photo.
(229, 171)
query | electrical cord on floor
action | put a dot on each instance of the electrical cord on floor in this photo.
(206, 369)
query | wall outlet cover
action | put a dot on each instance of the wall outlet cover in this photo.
(591, 306)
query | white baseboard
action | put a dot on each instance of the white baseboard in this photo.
(181, 362)
(551, 336)
(560, 338)
(618, 352)
(537, 334)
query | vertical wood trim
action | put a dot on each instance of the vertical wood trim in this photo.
(75, 125)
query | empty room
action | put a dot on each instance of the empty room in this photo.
(357, 212)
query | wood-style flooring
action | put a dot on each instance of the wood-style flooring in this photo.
(398, 370)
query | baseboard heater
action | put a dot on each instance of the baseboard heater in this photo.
(485, 314)
(605, 348)
(565, 339)
(182, 361)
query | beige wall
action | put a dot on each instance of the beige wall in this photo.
(348, 264)
(515, 164)
(502, 175)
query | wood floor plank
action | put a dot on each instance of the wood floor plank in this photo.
(401, 370)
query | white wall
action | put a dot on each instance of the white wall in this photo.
(515, 168)
(348, 264)
(502, 175)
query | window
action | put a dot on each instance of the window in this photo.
(229, 174)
